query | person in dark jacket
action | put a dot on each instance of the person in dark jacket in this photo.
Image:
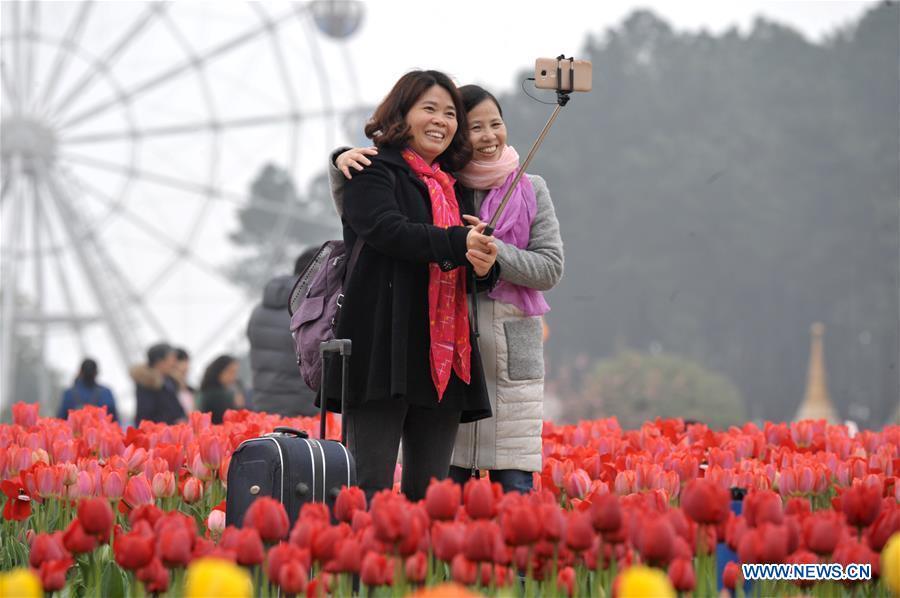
(156, 390)
(218, 389)
(86, 391)
(415, 370)
(277, 384)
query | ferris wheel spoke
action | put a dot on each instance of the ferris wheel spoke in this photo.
(109, 287)
(64, 52)
(9, 306)
(62, 276)
(240, 199)
(151, 230)
(75, 91)
(221, 125)
(164, 77)
(38, 272)
(9, 89)
(29, 62)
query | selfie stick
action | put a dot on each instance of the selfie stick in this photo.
(562, 98)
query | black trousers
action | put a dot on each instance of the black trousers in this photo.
(374, 431)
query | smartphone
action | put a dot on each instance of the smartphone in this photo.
(545, 74)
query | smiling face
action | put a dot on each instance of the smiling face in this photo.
(432, 123)
(487, 132)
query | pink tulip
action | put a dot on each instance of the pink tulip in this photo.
(138, 492)
(114, 484)
(215, 523)
(163, 484)
(193, 490)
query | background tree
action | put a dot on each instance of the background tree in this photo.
(717, 194)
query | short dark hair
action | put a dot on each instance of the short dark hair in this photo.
(304, 259)
(388, 128)
(181, 354)
(87, 373)
(157, 353)
(472, 95)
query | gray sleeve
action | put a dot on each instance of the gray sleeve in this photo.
(540, 266)
(337, 180)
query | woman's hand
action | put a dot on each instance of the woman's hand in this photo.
(481, 249)
(355, 158)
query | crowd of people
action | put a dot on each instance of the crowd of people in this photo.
(445, 315)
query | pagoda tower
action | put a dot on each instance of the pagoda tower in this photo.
(816, 403)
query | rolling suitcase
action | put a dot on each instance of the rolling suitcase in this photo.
(288, 465)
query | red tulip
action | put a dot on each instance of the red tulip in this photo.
(802, 557)
(320, 586)
(133, 550)
(480, 498)
(681, 573)
(773, 547)
(96, 517)
(861, 503)
(348, 557)
(292, 578)
(442, 499)
(579, 531)
(553, 523)
(479, 541)
(375, 570)
(212, 449)
(821, 531)
(325, 543)
(416, 567)
(885, 525)
(854, 551)
(447, 540)
(25, 414)
(249, 547)
(349, 500)
(565, 580)
(283, 553)
(704, 501)
(463, 570)
(577, 483)
(390, 517)
(18, 503)
(154, 576)
(731, 575)
(47, 547)
(269, 518)
(76, 540)
(606, 513)
(113, 484)
(763, 506)
(175, 546)
(656, 539)
(53, 574)
(520, 525)
(138, 492)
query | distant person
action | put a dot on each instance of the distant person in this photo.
(180, 374)
(219, 389)
(277, 385)
(156, 389)
(86, 391)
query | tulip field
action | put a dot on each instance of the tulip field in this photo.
(91, 509)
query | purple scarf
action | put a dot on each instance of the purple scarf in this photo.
(514, 228)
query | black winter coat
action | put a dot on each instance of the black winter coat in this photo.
(385, 309)
(277, 384)
(157, 397)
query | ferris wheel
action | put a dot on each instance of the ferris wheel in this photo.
(131, 135)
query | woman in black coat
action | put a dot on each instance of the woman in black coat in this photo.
(412, 253)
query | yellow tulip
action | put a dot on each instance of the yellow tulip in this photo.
(217, 578)
(20, 583)
(890, 564)
(645, 582)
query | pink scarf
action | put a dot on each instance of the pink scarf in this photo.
(448, 311)
(514, 226)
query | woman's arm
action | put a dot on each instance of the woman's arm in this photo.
(540, 266)
(371, 210)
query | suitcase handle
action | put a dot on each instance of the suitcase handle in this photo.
(289, 430)
(343, 347)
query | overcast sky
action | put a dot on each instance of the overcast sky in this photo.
(488, 41)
